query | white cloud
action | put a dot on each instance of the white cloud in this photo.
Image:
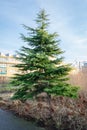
(6, 51)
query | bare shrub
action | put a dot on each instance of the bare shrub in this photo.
(79, 78)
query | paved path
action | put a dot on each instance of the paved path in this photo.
(10, 122)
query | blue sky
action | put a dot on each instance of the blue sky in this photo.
(67, 17)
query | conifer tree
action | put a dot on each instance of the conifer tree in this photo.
(41, 68)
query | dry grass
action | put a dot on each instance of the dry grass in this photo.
(62, 113)
(79, 78)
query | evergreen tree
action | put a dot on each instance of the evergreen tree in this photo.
(41, 68)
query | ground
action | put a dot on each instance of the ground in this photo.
(62, 113)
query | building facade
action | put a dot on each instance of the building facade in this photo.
(7, 63)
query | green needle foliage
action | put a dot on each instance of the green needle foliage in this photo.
(41, 68)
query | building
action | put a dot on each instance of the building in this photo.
(7, 63)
